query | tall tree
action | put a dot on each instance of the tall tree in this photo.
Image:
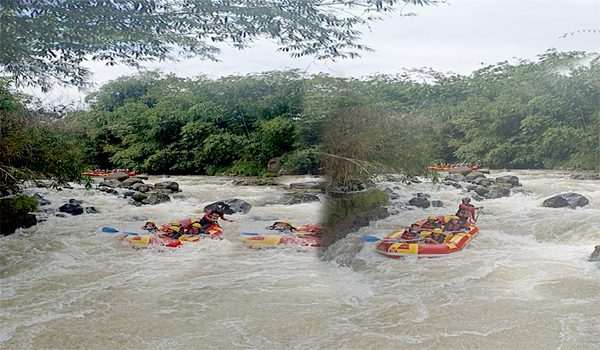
(46, 40)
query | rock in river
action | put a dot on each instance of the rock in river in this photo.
(512, 180)
(117, 176)
(142, 187)
(73, 207)
(571, 200)
(420, 202)
(128, 183)
(171, 186)
(308, 185)
(255, 181)
(595, 254)
(230, 206)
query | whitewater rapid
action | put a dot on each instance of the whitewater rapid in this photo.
(524, 281)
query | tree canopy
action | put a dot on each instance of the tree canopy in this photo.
(42, 41)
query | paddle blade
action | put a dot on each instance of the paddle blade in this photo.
(370, 238)
(249, 234)
(107, 229)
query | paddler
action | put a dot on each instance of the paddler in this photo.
(466, 211)
(437, 237)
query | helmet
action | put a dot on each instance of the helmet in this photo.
(431, 218)
(466, 200)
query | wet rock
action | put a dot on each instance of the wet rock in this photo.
(422, 195)
(595, 256)
(481, 190)
(230, 206)
(274, 165)
(117, 176)
(41, 200)
(156, 198)
(139, 197)
(420, 202)
(571, 200)
(437, 204)
(497, 192)
(455, 178)
(484, 181)
(309, 185)
(112, 183)
(292, 198)
(391, 194)
(61, 215)
(171, 186)
(585, 176)
(91, 210)
(128, 194)
(108, 190)
(453, 184)
(15, 212)
(142, 187)
(130, 182)
(73, 207)
(477, 197)
(255, 181)
(511, 180)
(472, 176)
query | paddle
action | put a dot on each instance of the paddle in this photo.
(373, 238)
(112, 230)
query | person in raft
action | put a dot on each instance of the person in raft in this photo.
(466, 211)
(437, 237)
(411, 234)
(282, 226)
(431, 223)
(453, 225)
(210, 218)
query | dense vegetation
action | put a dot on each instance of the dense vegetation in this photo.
(542, 114)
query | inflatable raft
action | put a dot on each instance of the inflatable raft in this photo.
(106, 173)
(304, 236)
(161, 238)
(391, 246)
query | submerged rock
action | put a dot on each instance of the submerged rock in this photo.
(571, 200)
(309, 185)
(255, 181)
(420, 202)
(437, 204)
(108, 190)
(171, 186)
(508, 179)
(230, 206)
(128, 183)
(91, 210)
(73, 207)
(595, 254)
(585, 176)
(292, 198)
(142, 187)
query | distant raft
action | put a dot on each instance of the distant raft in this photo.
(454, 242)
(303, 236)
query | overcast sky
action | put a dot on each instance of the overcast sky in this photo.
(459, 36)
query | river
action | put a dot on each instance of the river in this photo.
(523, 282)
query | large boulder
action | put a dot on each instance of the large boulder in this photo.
(496, 192)
(453, 184)
(230, 206)
(472, 176)
(139, 197)
(481, 190)
(255, 181)
(154, 198)
(170, 186)
(297, 198)
(110, 183)
(511, 180)
(73, 207)
(437, 204)
(128, 183)
(108, 190)
(420, 202)
(308, 185)
(571, 200)
(15, 212)
(484, 181)
(142, 187)
(117, 176)
(455, 178)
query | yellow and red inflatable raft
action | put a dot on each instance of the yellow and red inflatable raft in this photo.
(162, 238)
(454, 242)
(305, 236)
